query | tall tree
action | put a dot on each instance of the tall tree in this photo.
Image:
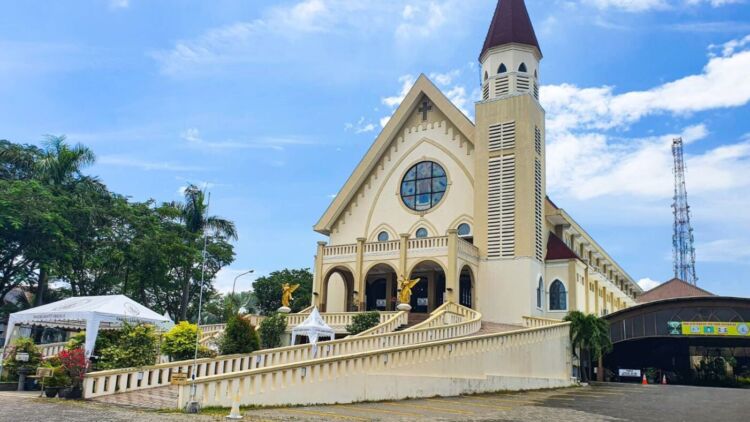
(193, 214)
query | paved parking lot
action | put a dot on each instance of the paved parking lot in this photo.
(605, 402)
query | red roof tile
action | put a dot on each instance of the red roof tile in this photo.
(510, 24)
(672, 289)
(557, 249)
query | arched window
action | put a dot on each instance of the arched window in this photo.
(558, 300)
(522, 68)
(464, 229)
(502, 68)
(536, 76)
(539, 293)
(486, 76)
(383, 236)
(421, 232)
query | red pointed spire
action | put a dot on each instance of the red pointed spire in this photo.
(510, 24)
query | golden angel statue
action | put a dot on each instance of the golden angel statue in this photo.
(286, 295)
(405, 285)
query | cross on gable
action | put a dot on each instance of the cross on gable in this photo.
(425, 108)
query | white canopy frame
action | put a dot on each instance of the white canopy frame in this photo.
(92, 313)
(314, 327)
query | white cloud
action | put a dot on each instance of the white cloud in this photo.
(646, 5)
(648, 284)
(125, 161)
(194, 140)
(584, 159)
(361, 126)
(421, 24)
(224, 280)
(724, 250)
(119, 4)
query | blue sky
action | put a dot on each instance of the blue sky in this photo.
(271, 104)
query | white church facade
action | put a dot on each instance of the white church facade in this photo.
(462, 205)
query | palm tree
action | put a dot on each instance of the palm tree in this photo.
(589, 335)
(193, 214)
(61, 166)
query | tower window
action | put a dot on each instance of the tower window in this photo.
(558, 300)
(502, 68)
(486, 76)
(522, 68)
(464, 229)
(421, 232)
(383, 236)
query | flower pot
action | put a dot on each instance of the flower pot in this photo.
(72, 393)
(51, 391)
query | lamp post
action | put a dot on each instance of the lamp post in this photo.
(238, 276)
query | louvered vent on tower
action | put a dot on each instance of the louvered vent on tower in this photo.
(538, 229)
(486, 91)
(502, 136)
(502, 85)
(501, 207)
(538, 140)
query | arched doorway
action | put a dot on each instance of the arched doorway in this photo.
(338, 289)
(429, 293)
(466, 287)
(380, 288)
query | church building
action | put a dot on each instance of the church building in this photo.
(462, 205)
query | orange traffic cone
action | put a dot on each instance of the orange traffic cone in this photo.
(644, 381)
(664, 380)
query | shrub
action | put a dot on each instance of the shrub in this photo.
(179, 342)
(74, 363)
(22, 345)
(271, 329)
(130, 346)
(363, 322)
(239, 337)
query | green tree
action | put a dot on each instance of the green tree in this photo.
(589, 335)
(192, 213)
(239, 337)
(268, 290)
(179, 342)
(271, 329)
(363, 322)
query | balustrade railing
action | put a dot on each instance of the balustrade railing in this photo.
(51, 349)
(390, 325)
(533, 322)
(328, 374)
(379, 247)
(428, 243)
(130, 379)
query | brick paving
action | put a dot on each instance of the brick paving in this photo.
(598, 403)
(148, 399)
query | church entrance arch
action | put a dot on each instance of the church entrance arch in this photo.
(338, 290)
(429, 293)
(466, 287)
(380, 288)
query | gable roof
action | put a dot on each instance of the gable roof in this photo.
(423, 86)
(557, 249)
(510, 24)
(672, 289)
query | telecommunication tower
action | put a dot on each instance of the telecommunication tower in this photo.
(682, 239)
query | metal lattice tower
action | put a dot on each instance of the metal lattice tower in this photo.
(682, 239)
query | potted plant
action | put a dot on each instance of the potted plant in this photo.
(56, 382)
(74, 364)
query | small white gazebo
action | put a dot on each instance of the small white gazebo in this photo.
(313, 327)
(90, 313)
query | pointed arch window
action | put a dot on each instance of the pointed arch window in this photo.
(522, 68)
(486, 75)
(539, 293)
(502, 68)
(558, 299)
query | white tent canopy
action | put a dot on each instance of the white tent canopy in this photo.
(313, 327)
(90, 313)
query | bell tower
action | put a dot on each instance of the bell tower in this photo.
(510, 167)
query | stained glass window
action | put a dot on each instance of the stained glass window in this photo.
(464, 229)
(383, 236)
(424, 185)
(558, 300)
(421, 232)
